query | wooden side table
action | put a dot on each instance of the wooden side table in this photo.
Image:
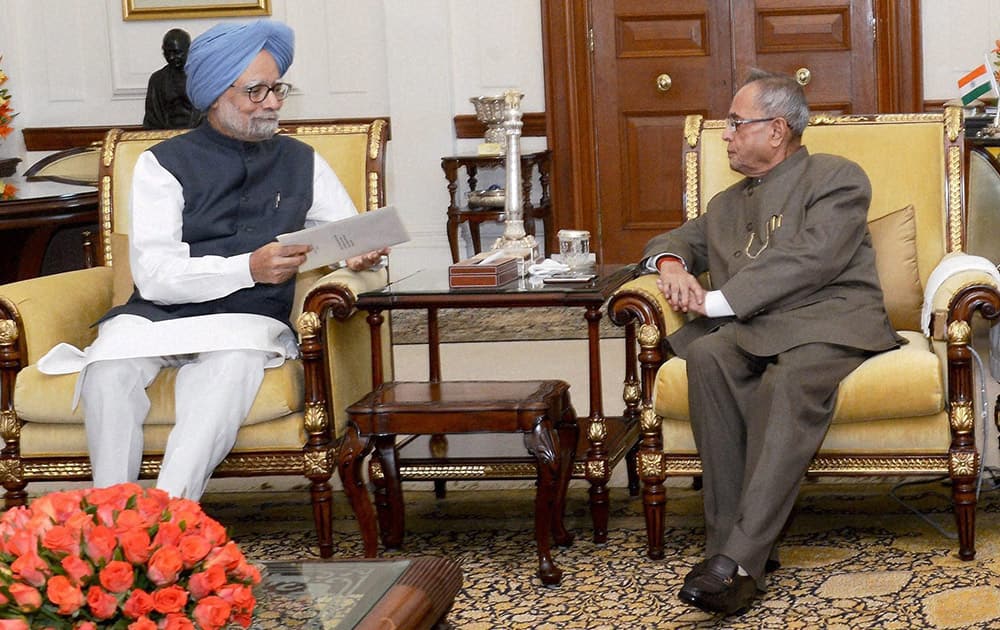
(541, 410)
(474, 215)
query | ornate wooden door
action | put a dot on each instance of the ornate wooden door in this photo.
(654, 61)
(828, 45)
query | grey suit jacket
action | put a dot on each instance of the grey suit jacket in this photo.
(815, 279)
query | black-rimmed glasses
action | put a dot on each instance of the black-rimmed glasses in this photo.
(258, 93)
(733, 123)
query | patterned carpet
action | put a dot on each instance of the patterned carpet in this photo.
(853, 558)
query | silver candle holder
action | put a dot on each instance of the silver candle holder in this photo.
(515, 241)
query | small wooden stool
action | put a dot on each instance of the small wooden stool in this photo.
(539, 409)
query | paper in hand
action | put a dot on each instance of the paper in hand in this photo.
(353, 236)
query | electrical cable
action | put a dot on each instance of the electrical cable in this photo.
(983, 469)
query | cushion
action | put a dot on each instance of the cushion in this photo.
(901, 383)
(49, 398)
(894, 237)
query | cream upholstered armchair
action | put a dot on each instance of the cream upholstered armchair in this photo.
(904, 412)
(298, 414)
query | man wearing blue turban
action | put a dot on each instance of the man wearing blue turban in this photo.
(213, 289)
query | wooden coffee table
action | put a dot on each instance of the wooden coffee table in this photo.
(604, 440)
(412, 594)
(540, 410)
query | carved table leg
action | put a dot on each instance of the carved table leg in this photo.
(439, 449)
(350, 456)
(569, 435)
(389, 493)
(543, 446)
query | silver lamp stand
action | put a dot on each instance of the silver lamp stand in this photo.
(515, 241)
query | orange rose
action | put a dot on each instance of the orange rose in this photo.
(64, 594)
(61, 539)
(152, 504)
(142, 623)
(13, 624)
(229, 556)
(135, 545)
(171, 599)
(246, 573)
(100, 544)
(117, 576)
(138, 604)
(85, 625)
(164, 566)
(31, 568)
(177, 622)
(77, 569)
(193, 549)
(242, 600)
(58, 506)
(102, 604)
(21, 542)
(214, 532)
(129, 519)
(207, 582)
(27, 597)
(240, 596)
(212, 613)
(167, 535)
(114, 497)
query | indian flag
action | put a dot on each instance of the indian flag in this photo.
(974, 84)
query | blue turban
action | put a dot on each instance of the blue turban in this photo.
(219, 56)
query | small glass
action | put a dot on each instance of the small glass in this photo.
(574, 248)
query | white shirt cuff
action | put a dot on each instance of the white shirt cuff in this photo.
(716, 305)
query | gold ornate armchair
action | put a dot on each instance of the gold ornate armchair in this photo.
(904, 412)
(298, 415)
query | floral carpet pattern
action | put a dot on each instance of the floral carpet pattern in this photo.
(852, 558)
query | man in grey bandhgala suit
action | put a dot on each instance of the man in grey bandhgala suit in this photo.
(796, 306)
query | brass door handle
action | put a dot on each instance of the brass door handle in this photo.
(663, 82)
(803, 76)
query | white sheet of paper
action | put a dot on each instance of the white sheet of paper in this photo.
(353, 236)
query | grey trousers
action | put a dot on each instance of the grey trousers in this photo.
(757, 423)
(213, 393)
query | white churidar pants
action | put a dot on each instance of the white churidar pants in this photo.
(213, 394)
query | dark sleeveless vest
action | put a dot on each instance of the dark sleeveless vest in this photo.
(237, 197)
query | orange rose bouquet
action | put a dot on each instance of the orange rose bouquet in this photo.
(121, 558)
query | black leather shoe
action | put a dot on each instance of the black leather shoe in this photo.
(719, 588)
(769, 567)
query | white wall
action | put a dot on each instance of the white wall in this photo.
(76, 62)
(957, 34)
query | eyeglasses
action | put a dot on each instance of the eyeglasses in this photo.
(733, 123)
(258, 93)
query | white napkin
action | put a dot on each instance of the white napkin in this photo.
(547, 267)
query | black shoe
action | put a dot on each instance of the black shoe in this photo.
(769, 567)
(719, 588)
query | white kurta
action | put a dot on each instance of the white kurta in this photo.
(166, 273)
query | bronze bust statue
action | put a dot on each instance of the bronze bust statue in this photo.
(167, 103)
